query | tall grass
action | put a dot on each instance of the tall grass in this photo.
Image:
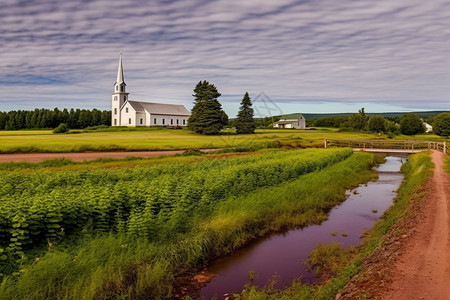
(117, 265)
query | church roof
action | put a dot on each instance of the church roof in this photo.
(160, 108)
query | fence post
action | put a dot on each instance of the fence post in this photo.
(325, 143)
(445, 148)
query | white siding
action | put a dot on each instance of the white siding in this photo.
(127, 116)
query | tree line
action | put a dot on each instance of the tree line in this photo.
(47, 118)
(408, 124)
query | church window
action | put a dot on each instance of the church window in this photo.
(184, 122)
(171, 121)
(163, 121)
(142, 121)
(115, 121)
(129, 120)
(121, 88)
(115, 98)
(115, 111)
(126, 109)
(117, 88)
(178, 121)
(154, 121)
(125, 98)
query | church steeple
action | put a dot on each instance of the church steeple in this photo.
(120, 71)
(119, 96)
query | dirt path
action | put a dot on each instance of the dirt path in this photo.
(37, 157)
(423, 271)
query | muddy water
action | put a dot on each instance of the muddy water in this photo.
(284, 253)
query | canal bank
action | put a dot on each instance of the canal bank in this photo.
(284, 253)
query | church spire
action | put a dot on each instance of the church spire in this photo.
(120, 71)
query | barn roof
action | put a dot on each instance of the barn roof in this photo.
(160, 108)
(291, 117)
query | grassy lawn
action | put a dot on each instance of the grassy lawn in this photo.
(168, 139)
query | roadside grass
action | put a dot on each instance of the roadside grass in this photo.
(417, 170)
(116, 266)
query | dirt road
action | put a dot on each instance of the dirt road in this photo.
(423, 271)
(37, 157)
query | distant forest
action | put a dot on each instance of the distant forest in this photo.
(47, 118)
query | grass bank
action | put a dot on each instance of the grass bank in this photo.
(142, 263)
(417, 170)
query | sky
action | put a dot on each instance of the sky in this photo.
(310, 56)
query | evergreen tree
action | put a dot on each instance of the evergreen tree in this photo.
(245, 123)
(207, 113)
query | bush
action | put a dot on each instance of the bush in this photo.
(441, 124)
(411, 124)
(62, 128)
(377, 124)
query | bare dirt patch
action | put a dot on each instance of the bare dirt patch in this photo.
(37, 157)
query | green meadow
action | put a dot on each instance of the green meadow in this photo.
(129, 232)
(169, 139)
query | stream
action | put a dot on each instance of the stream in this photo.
(284, 253)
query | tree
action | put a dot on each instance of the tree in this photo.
(377, 124)
(411, 124)
(441, 124)
(207, 114)
(85, 118)
(358, 121)
(245, 123)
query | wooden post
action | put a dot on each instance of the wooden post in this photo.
(445, 148)
(325, 143)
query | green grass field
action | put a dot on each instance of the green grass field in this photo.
(131, 231)
(168, 139)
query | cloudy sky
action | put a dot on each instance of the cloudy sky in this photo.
(305, 56)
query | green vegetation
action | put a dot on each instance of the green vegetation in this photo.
(441, 124)
(377, 124)
(46, 118)
(244, 122)
(62, 128)
(157, 138)
(207, 115)
(329, 258)
(130, 231)
(416, 170)
(411, 124)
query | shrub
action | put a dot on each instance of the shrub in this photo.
(441, 125)
(411, 124)
(62, 128)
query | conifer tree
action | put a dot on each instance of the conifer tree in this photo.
(244, 122)
(207, 113)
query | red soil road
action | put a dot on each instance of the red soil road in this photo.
(37, 157)
(423, 271)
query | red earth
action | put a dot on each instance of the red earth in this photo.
(37, 157)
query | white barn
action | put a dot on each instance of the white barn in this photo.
(296, 121)
(137, 113)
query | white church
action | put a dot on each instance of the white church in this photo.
(136, 113)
